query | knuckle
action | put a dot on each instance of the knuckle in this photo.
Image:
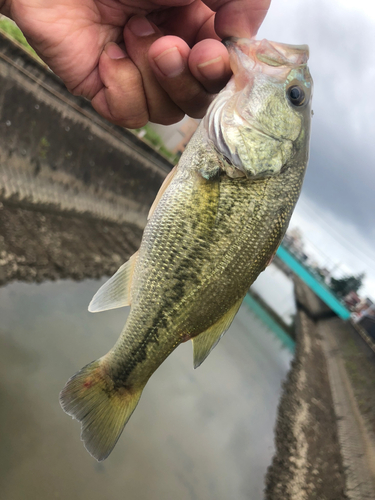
(135, 123)
(171, 118)
(129, 121)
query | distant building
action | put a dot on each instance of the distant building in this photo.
(363, 307)
(352, 300)
(366, 319)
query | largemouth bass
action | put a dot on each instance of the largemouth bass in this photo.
(214, 226)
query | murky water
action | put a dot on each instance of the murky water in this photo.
(196, 434)
(277, 290)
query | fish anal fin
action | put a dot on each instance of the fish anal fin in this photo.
(207, 340)
(117, 290)
(162, 190)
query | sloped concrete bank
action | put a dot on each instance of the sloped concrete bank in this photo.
(75, 190)
(39, 245)
(322, 449)
(56, 151)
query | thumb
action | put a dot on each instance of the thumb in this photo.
(121, 99)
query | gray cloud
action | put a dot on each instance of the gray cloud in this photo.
(341, 174)
(341, 177)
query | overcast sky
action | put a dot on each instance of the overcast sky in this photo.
(337, 205)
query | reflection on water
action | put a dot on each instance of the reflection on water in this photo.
(280, 295)
(203, 434)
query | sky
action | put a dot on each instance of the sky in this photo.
(337, 204)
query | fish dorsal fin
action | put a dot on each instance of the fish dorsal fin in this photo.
(162, 190)
(206, 341)
(116, 291)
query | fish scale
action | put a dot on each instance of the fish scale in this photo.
(214, 226)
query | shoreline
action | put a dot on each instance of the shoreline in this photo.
(323, 449)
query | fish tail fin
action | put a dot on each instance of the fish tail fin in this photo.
(103, 409)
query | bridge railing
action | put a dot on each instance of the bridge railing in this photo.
(316, 284)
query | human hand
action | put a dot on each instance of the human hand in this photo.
(138, 60)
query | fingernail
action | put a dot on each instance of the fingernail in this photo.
(170, 62)
(113, 51)
(140, 26)
(212, 69)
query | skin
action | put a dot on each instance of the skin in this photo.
(138, 60)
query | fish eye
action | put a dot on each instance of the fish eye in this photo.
(296, 95)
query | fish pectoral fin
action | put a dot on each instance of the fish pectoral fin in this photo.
(206, 341)
(162, 190)
(116, 291)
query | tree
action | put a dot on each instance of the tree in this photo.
(341, 287)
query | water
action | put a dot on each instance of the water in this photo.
(196, 434)
(277, 290)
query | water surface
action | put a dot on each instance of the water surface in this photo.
(196, 434)
(277, 290)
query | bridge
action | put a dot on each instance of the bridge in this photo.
(318, 286)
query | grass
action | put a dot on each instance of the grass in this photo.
(13, 31)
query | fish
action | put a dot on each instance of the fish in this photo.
(214, 226)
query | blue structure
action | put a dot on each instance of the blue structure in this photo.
(319, 288)
(285, 338)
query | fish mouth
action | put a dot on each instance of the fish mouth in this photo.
(274, 54)
(273, 59)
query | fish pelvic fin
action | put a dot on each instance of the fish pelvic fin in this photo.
(116, 292)
(92, 398)
(207, 340)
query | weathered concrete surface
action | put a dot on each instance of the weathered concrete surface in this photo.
(74, 189)
(307, 464)
(356, 442)
(40, 245)
(56, 150)
(322, 449)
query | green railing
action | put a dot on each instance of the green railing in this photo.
(319, 288)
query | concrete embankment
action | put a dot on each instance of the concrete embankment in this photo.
(56, 151)
(61, 165)
(324, 449)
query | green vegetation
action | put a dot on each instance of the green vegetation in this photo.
(346, 285)
(44, 146)
(154, 139)
(12, 30)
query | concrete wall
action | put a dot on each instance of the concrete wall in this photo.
(56, 150)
